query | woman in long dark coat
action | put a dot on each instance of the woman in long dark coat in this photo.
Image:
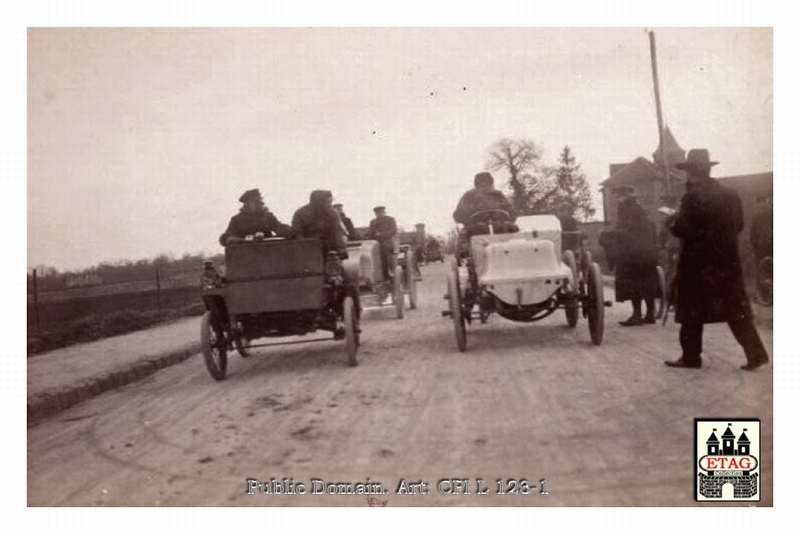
(636, 277)
(710, 285)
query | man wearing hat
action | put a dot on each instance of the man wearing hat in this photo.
(636, 276)
(383, 229)
(253, 218)
(482, 197)
(709, 281)
(349, 230)
(319, 219)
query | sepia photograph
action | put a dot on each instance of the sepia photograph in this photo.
(402, 267)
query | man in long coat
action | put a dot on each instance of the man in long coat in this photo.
(636, 277)
(710, 285)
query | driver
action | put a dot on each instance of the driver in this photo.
(483, 197)
(253, 218)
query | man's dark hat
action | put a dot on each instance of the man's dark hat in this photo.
(697, 158)
(379, 208)
(484, 177)
(250, 194)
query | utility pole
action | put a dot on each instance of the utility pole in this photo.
(662, 149)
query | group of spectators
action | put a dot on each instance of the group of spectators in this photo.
(709, 285)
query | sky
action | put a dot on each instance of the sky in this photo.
(140, 140)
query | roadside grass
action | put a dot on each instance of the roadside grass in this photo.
(94, 327)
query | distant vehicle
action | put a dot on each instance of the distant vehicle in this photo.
(275, 288)
(433, 252)
(364, 264)
(522, 276)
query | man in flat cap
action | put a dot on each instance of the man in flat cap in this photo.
(349, 230)
(319, 219)
(636, 276)
(383, 229)
(709, 281)
(253, 218)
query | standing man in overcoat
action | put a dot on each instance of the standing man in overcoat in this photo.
(636, 276)
(710, 285)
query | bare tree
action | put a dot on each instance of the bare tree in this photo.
(537, 188)
(520, 158)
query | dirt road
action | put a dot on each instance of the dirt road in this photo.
(608, 425)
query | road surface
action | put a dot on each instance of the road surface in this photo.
(605, 425)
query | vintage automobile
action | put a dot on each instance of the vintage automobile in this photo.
(522, 276)
(364, 264)
(275, 288)
(432, 251)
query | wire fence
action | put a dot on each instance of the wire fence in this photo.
(164, 289)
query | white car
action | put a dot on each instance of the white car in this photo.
(521, 276)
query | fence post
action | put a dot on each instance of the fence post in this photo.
(36, 306)
(158, 288)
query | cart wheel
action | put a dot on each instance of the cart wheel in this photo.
(212, 339)
(662, 292)
(764, 281)
(596, 304)
(411, 287)
(351, 330)
(242, 346)
(398, 291)
(571, 309)
(454, 297)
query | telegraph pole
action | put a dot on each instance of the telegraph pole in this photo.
(660, 118)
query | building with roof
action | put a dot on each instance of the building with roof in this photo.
(646, 177)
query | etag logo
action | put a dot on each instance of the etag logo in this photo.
(727, 460)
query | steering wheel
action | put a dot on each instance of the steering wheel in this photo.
(492, 214)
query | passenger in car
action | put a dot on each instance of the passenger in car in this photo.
(319, 219)
(253, 218)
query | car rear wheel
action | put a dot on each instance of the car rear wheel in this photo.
(411, 287)
(212, 339)
(571, 309)
(398, 291)
(596, 304)
(456, 312)
(351, 336)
